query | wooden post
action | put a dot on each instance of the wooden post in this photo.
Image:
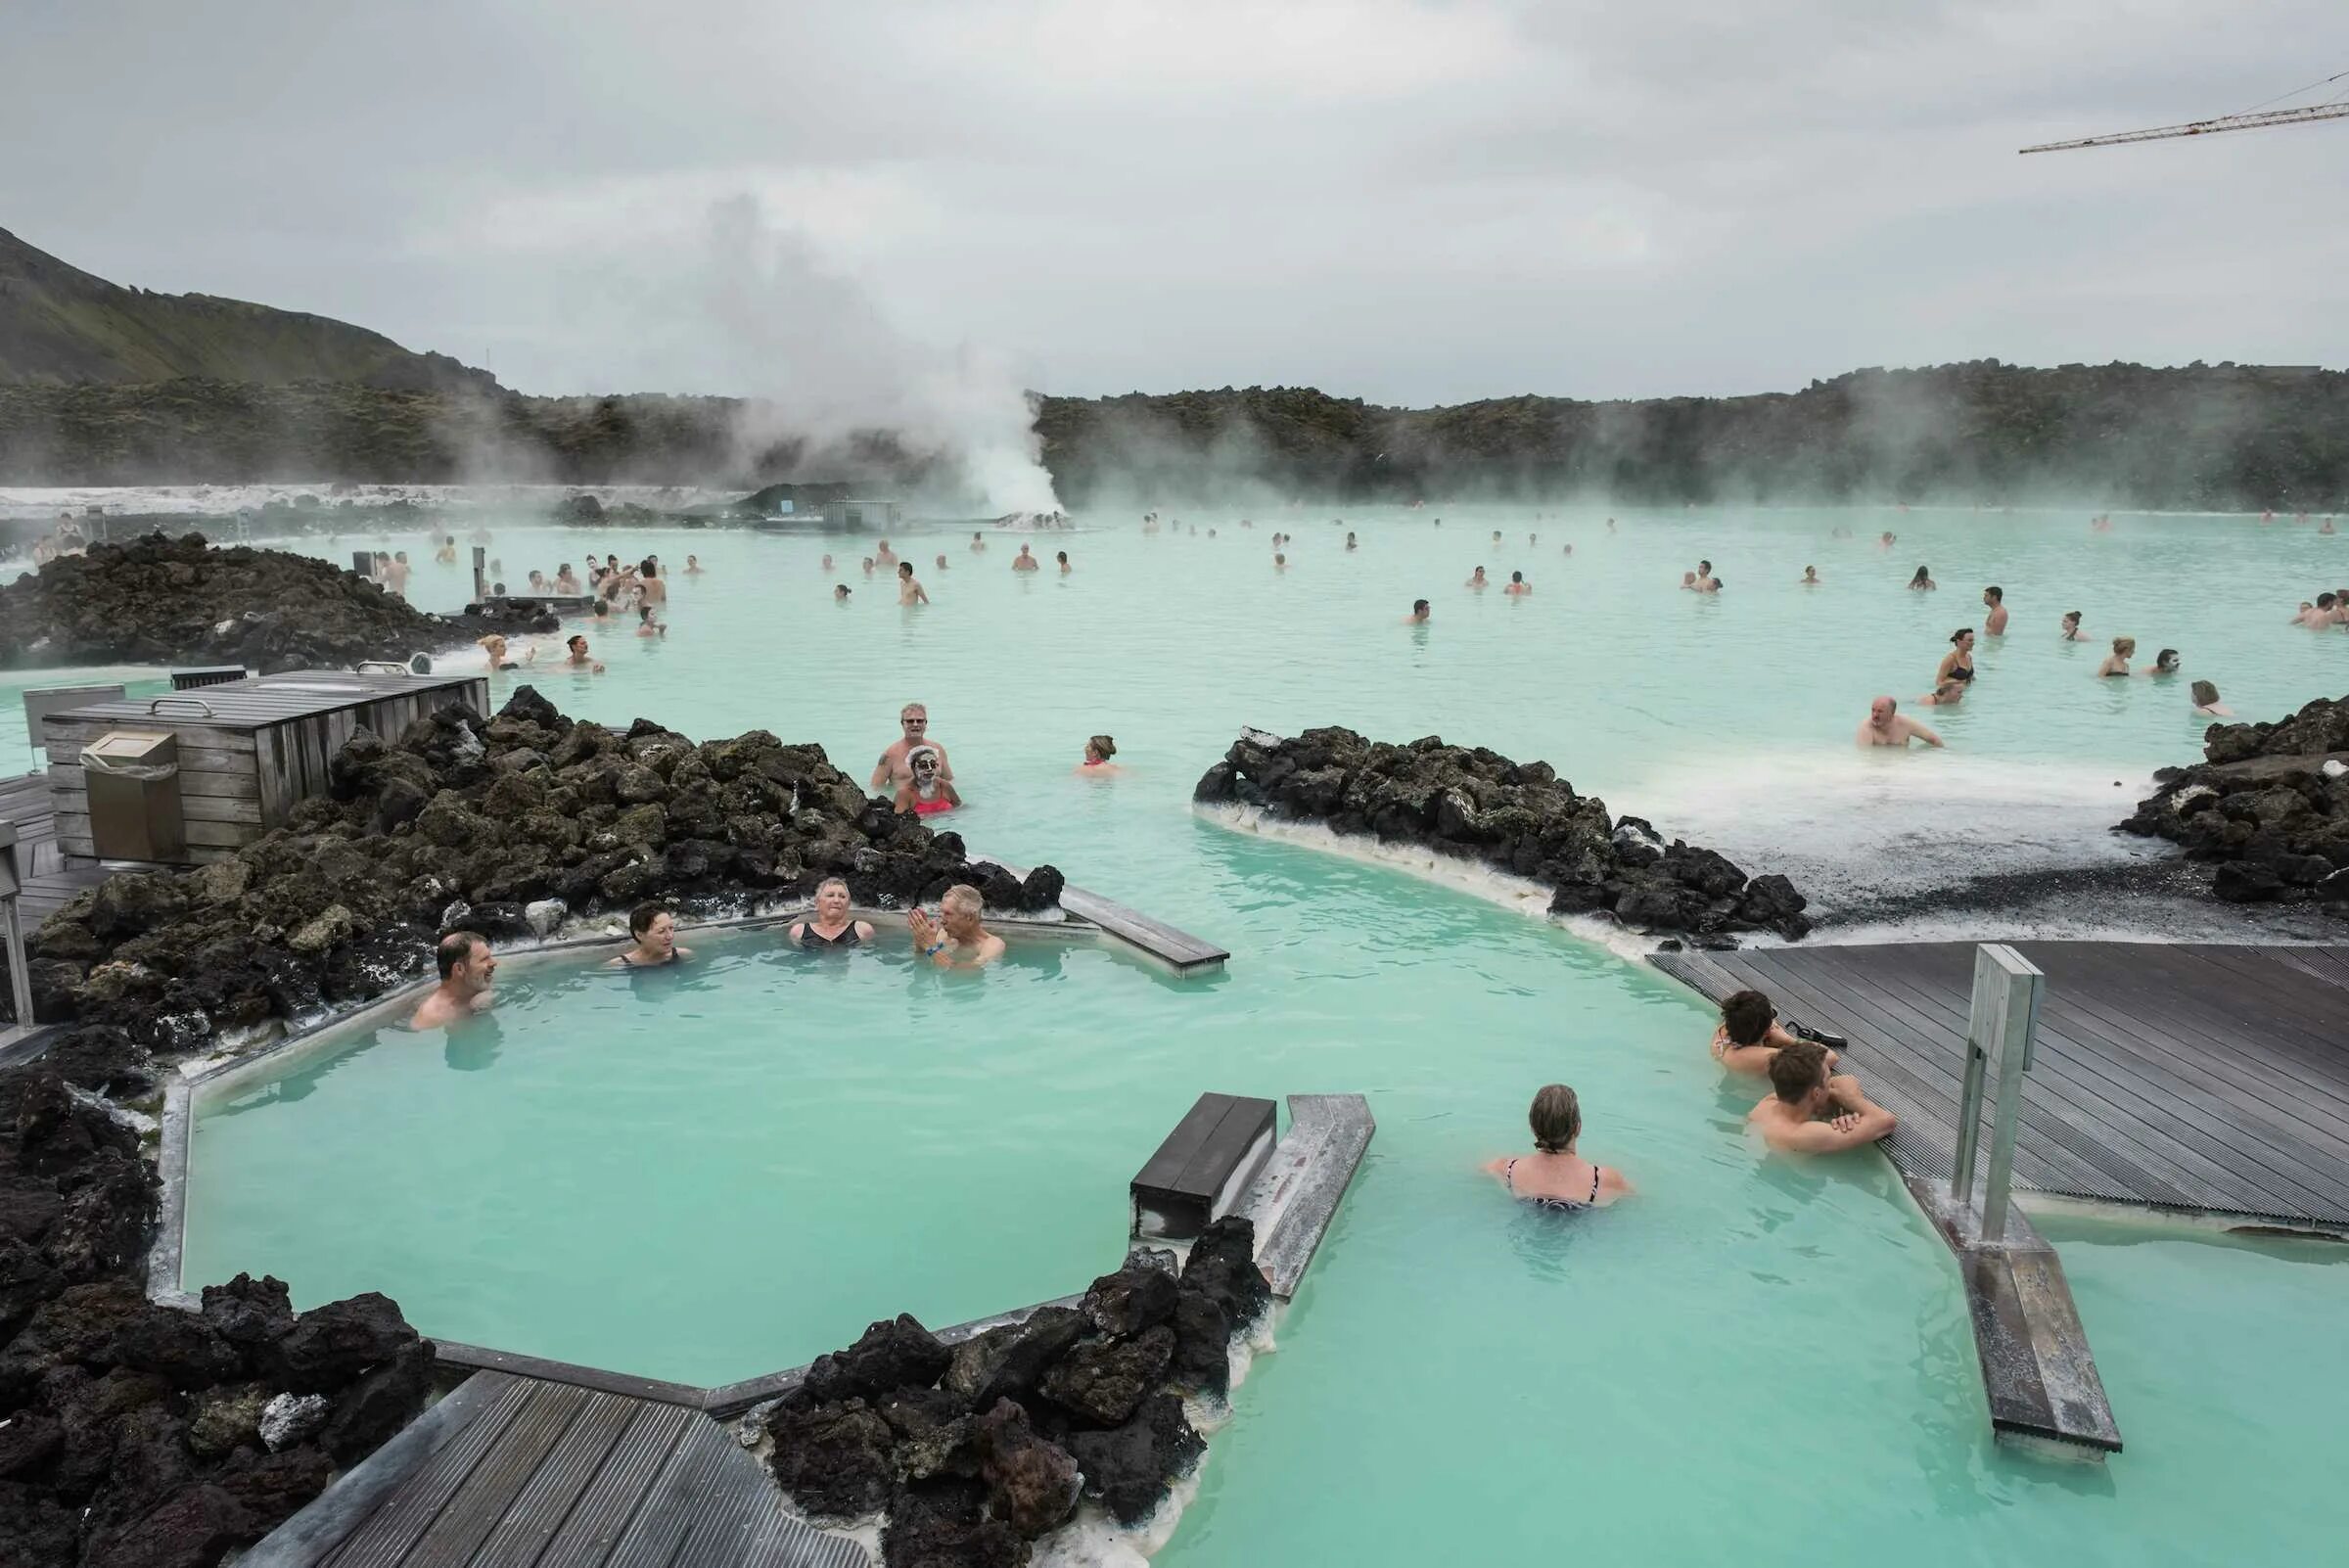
(2003, 1021)
(481, 584)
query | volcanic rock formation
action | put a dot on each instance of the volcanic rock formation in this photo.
(2270, 807)
(131, 1433)
(161, 600)
(1521, 818)
(974, 1450)
(466, 823)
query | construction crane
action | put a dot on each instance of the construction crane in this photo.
(2259, 117)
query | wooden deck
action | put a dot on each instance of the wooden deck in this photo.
(50, 879)
(521, 1472)
(2204, 1078)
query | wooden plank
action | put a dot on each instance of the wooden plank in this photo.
(384, 1538)
(241, 785)
(276, 790)
(199, 758)
(697, 1510)
(521, 1538)
(211, 735)
(74, 826)
(75, 803)
(497, 1482)
(603, 1513)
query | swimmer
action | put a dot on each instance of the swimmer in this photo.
(1418, 615)
(828, 928)
(892, 770)
(656, 587)
(467, 970)
(1812, 1111)
(1749, 1035)
(495, 645)
(2071, 627)
(1518, 587)
(2206, 701)
(2327, 527)
(2165, 663)
(840, 593)
(941, 563)
(497, 591)
(1570, 549)
(578, 656)
(978, 541)
(1958, 662)
(925, 793)
(693, 567)
(538, 580)
(826, 565)
(1994, 623)
(909, 593)
(1810, 577)
(1024, 562)
(1610, 525)
(1948, 693)
(1348, 538)
(654, 944)
(884, 554)
(1532, 538)
(1884, 539)
(1476, 579)
(1496, 536)
(446, 555)
(1280, 562)
(2316, 617)
(566, 583)
(1062, 556)
(2116, 662)
(868, 566)
(1887, 727)
(1689, 582)
(1554, 1176)
(955, 939)
(1922, 582)
(395, 576)
(1098, 749)
(646, 625)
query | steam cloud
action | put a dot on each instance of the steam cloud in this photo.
(820, 367)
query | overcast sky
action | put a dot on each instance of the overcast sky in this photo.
(1409, 203)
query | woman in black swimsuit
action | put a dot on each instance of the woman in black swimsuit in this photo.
(655, 931)
(1553, 1176)
(1957, 664)
(830, 927)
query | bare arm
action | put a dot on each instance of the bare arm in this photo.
(1921, 733)
(879, 779)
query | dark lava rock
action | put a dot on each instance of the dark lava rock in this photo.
(1102, 1380)
(102, 1060)
(379, 1403)
(178, 1347)
(2263, 808)
(835, 1459)
(331, 1346)
(1202, 1343)
(1130, 1467)
(1124, 1304)
(250, 1314)
(1031, 1484)
(1520, 818)
(1221, 1267)
(944, 1525)
(1004, 1363)
(894, 1353)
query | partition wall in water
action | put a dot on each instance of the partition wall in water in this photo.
(726, 1171)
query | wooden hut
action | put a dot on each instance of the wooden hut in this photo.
(248, 752)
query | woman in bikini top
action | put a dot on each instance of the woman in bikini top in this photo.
(1958, 662)
(1556, 1178)
(829, 929)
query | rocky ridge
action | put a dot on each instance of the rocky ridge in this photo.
(163, 600)
(137, 1435)
(2269, 805)
(1517, 817)
(973, 1451)
(507, 826)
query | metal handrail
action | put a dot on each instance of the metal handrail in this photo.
(157, 704)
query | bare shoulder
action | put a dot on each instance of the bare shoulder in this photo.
(799, 929)
(864, 931)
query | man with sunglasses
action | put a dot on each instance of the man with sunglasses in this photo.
(896, 768)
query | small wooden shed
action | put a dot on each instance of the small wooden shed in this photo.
(247, 751)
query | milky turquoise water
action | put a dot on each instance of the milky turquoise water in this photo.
(709, 1174)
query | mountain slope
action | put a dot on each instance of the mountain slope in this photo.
(61, 326)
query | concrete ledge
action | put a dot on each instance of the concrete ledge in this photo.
(1295, 1201)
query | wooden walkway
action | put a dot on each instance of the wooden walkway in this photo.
(521, 1472)
(2204, 1078)
(50, 879)
(1179, 951)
